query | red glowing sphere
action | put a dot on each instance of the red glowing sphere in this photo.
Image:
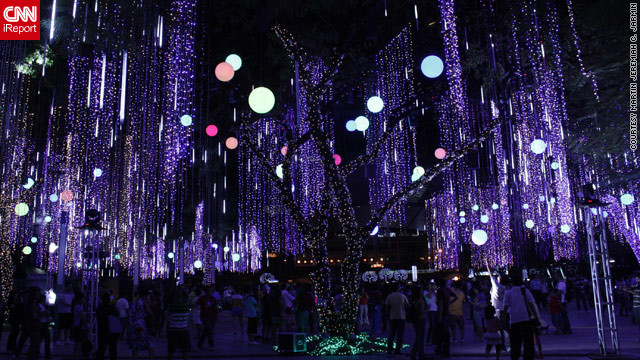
(231, 143)
(66, 195)
(283, 151)
(224, 71)
(337, 159)
(212, 130)
(440, 153)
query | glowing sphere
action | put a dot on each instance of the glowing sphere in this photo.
(197, 264)
(432, 66)
(279, 172)
(226, 249)
(214, 245)
(594, 211)
(117, 256)
(375, 104)
(284, 150)
(525, 206)
(374, 231)
(235, 61)
(555, 165)
(26, 250)
(419, 170)
(52, 248)
(565, 228)
(538, 146)
(484, 219)
(415, 177)
(170, 255)
(475, 207)
(78, 264)
(47, 219)
(261, 100)
(231, 143)
(479, 237)
(97, 172)
(626, 199)
(29, 183)
(440, 153)
(53, 198)
(463, 220)
(21, 209)
(351, 125)
(529, 224)
(462, 214)
(211, 130)
(362, 123)
(337, 159)
(186, 120)
(552, 200)
(33, 240)
(235, 257)
(605, 214)
(224, 71)
(66, 195)
(495, 206)
(541, 198)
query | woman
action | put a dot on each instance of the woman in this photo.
(419, 321)
(237, 311)
(478, 303)
(364, 308)
(80, 326)
(106, 335)
(139, 337)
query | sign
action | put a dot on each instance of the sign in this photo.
(20, 20)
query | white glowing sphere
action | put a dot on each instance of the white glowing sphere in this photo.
(197, 264)
(261, 100)
(495, 206)
(29, 183)
(26, 250)
(170, 255)
(552, 200)
(462, 214)
(51, 297)
(362, 123)
(605, 214)
(33, 239)
(484, 219)
(279, 171)
(463, 220)
(79, 264)
(525, 206)
(186, 120)
(226, 249)
(475, 207)
(479, 237)
(432, 66)
(538, 146)
(97, 172)
(541, 198)
(626, 199)
(594, 211)
(565, 228)
(52, 248)
(415, 177)
(235, 257)
(214, 245)
(21, 209)
(53, 198)
(419, 170)
(235, 61)
(529, 224)
(47, 219)
(374, 231)
(351, 125)
(375, 104)
(555, 165)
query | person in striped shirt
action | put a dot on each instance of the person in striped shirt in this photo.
(178, 313)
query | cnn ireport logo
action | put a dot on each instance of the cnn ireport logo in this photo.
(20, 20)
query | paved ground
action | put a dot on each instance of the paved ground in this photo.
(579, 345)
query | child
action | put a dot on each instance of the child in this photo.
(492, 335)
(556, 311)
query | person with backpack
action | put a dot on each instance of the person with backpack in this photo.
(417, 317)
(524, 316)
(178, 312)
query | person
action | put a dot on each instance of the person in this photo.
(79, 327)
(65, 319)
(14, 305)
(492, 335)
(31, 325)
(444, 298)
(536, 289)
(456, 315)
(156, 305)
(288, 299)
(208, 316)
(522, 308)
(195, 315)
(396, 303)
(251, 307)
(237, 311)
(374, 311)
(139, 337)
(303, 310)
(419, 320)
(634, 290)
(45, 320)
(107, 333)
(556, 311)
(561, 286)
(178, 312)
(432, 310)
(122, 305)
(363, 309)
(581, 293)
(276, 308)
(478, 303)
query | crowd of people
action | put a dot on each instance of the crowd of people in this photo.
(505, 312)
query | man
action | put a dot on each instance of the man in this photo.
(288, 300)
(522, 309)
(123, 313)
(536, 287)
(178, 313)
(396, 303)
(456, 314)
(208, 315)
(635, 292)
(65, 298)
(561, 286)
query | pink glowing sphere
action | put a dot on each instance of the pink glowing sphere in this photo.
(66, 195)
(440, 153)
(224, 71)
(212, 130)
(231, 143)
(337, 159)
(283, 151)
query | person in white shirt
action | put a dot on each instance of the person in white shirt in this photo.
(123, 312)
(396, 304)
(432, 309)
(522, 308)
(288, 300)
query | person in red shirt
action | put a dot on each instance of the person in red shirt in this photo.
(364, 307)
(208, 314)
(555, 307)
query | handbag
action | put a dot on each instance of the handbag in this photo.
(115, 327)
(532, 315)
